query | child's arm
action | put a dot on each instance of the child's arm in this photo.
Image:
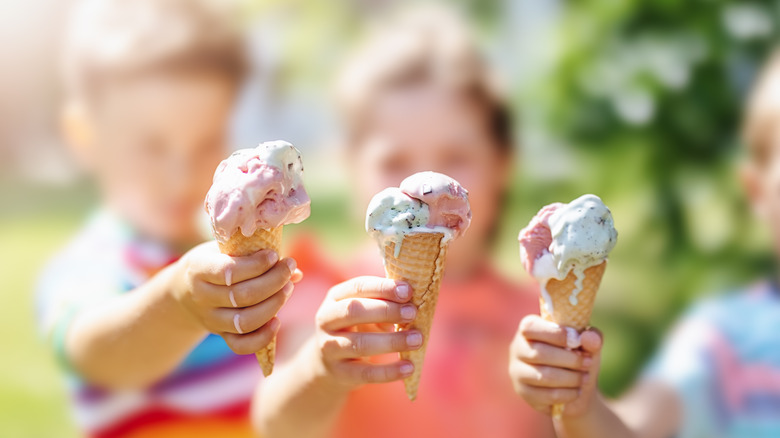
(304, 397)
(137, 338)
(544, 373)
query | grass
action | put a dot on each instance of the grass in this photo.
(32, 395)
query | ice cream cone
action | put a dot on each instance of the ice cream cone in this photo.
(239, 245)
(419, 262)
(564, 312)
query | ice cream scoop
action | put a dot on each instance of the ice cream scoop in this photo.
(424, 202)
(565, 238)
(447, 201)
(259, 188)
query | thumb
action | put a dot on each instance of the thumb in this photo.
(592, 340)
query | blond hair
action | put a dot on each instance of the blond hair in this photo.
(422, 46)
(114, 39)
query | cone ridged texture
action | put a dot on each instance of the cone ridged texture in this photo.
(420, 263)
(566, 314)
(239, 245)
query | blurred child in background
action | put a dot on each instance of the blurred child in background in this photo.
(419, 96)
(151, 85)
(718, 375)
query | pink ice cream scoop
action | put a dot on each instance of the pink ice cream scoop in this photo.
(565, 237)
(447, 200)
(536, 237)
(260, 188)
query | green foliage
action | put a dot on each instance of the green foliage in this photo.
(648, 95)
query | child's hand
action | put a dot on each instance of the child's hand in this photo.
(236, 297)
(355, 322)
(544, 372)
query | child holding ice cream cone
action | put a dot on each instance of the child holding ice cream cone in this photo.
(142, 316)
(717, 375)
(419, 98)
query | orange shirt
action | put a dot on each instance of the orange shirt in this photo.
(465, 389)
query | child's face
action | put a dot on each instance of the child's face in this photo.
(425, 128)
(762, 184)
(154, 146)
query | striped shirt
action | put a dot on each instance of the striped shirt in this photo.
(208, 394)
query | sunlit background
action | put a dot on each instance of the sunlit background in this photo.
(636, 101)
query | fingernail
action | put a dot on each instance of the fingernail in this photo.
(232, 299)
(402, 291)
(228, 276)
(273, 257)
(292, 265)
(274, 324)
(237, 324)
(407, 369)
(287, 289)
(587, 362)
(408, 312)
(585, 378)
(414, 339)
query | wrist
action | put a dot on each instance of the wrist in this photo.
(587, 410)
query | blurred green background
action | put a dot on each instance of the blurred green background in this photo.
(636, 101)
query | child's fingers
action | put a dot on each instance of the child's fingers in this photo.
(350, 312)
(351, 345)
(248, 292)
(592, 340)
(359, 372)
(538, 353)
(252, 342)
(547, 377)
(255, 265)
(256, 290)
(372, 287)
(534, 328)
(249, 319)
(216, 268)
(296, 276)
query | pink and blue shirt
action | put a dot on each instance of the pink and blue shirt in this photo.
(723, 360)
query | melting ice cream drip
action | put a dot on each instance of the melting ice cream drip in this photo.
(565, 238)
(426, 202)
(258, 188)
(579, 274)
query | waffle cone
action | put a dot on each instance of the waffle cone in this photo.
(420, 263)
(566, 314)
(239, 245)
